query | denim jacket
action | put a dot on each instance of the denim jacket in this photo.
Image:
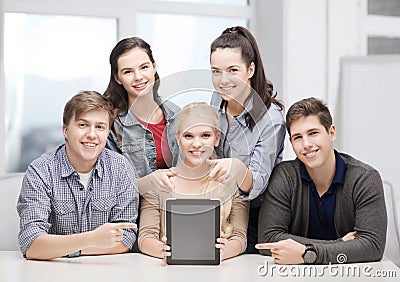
(137, 143)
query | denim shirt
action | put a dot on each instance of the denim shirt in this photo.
(137, 143)
(259, 149)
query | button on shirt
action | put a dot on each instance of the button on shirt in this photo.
(52, 200)
(321, 217)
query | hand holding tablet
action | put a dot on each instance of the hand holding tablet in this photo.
(193, 228)
(165, 251)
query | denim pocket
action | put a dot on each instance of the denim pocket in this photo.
(136, 153)
(133, 148)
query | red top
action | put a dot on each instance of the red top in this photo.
(163, 153)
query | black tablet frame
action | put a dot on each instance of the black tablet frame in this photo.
(217, 227)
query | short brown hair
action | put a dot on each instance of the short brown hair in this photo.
(86, 101)
(309, 107)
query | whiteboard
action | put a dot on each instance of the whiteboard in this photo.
(369, 113)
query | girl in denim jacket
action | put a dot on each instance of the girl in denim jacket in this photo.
(144, 128)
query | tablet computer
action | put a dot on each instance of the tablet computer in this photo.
(193, 226)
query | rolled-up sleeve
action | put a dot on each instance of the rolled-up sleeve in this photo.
(267, 152)
(34, 208)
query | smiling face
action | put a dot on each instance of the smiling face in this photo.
(311, 142)
(136, 73)
(230, 74)
(85, 138)
(197, 142)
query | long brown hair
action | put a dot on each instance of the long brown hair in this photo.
(115, 92)
(240, 37)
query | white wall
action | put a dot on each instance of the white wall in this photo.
(302, 43)
(270, 31)
(2, 121)
(368, 106)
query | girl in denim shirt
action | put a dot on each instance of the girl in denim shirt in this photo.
(144, 128)
(252, 123)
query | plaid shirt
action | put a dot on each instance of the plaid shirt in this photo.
(53, 201)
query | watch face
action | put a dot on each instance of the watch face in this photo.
(310, 257)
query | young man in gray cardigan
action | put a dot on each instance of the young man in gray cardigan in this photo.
(324, 206)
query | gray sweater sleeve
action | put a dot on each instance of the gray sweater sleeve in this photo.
(360, 207)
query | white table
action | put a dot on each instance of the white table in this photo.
(138, 267)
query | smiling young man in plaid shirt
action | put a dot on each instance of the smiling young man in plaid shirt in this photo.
(79, 198)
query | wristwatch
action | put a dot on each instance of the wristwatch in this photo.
(74, 254)
(310, 254)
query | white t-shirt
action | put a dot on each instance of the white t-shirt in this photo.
(85, 178)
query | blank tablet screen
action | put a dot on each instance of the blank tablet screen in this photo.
(193, 225)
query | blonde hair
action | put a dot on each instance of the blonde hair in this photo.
(204, 114)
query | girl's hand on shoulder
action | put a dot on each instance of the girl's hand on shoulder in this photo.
(231, 169)
(158, 180)
(161, 179)
(221, 170)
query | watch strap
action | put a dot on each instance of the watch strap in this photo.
(310, 254)
(74, 254)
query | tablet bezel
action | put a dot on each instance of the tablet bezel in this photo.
(217, 227)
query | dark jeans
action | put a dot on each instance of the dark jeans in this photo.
(252, 231)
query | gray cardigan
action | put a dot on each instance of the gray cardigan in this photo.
(360, 206)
